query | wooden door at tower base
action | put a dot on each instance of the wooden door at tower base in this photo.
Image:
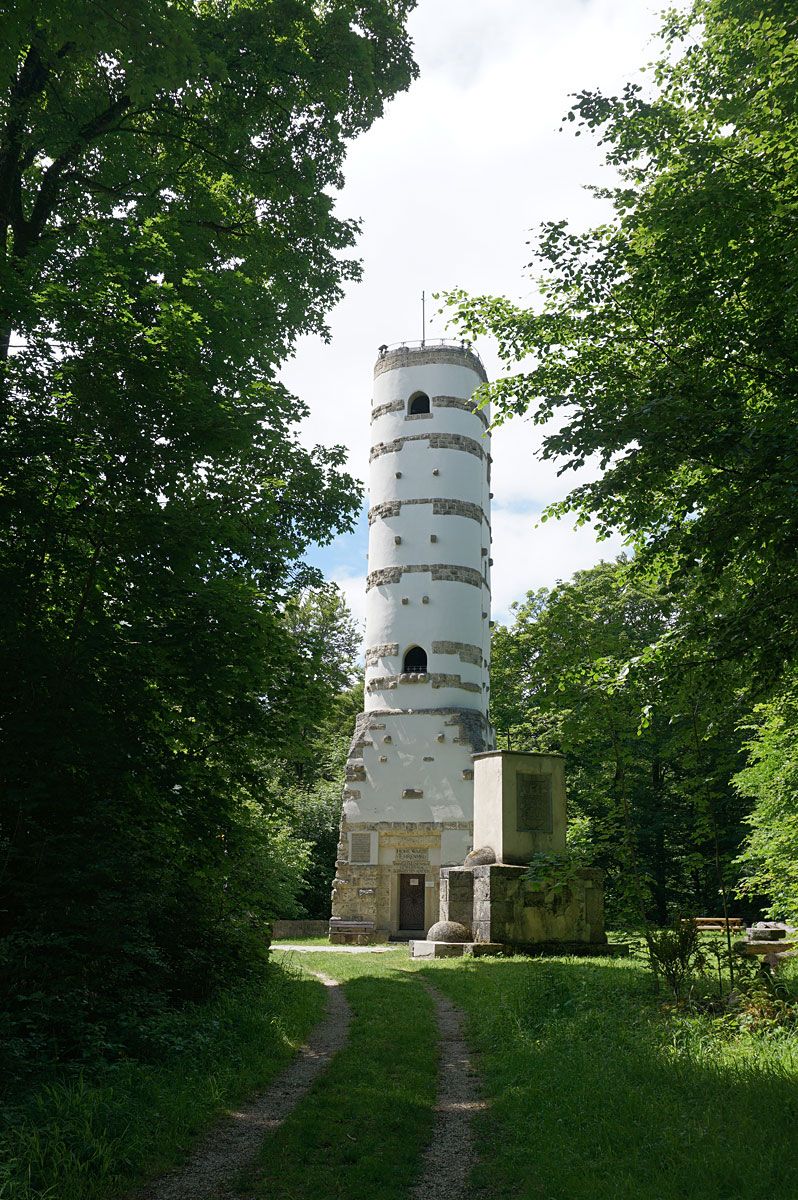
(411, 901)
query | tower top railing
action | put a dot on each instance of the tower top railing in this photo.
(424, 343)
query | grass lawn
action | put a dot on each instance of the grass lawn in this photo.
(596, 1090)
(598, 1093)
(360, 1133)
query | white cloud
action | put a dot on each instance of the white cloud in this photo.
(448, 185)
(353, 587)
(528, 555)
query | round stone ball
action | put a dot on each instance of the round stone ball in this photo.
(449, 931)
(481, 857)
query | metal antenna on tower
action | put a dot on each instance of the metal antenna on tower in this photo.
(423, 320)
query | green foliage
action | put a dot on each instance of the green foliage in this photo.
(769, 859)
(649, 745)
(167, 233)
(664, 342)
(310, 785)
(553, 871)
(676, 952)
(104, 1128)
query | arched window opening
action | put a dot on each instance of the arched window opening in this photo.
(419, 404)
(415, 661)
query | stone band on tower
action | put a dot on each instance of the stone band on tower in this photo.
(408, 801)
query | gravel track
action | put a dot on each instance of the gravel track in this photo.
(449, 1157)
(236, 1141)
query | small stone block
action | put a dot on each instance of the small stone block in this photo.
(433, 537)
(405, 600)
(397, 541)
(425, 949)
(387, 738)
(436, 471)
(441, 737)
(383, 758)
(425, 599)
(398, 474)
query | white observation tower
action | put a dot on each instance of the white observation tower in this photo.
(408, 801)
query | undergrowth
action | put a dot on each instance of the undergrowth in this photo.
(87, 1134)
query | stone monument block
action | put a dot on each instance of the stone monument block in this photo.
(457, 895)
(519, 804)
(515, 911)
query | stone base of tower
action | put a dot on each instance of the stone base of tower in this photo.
(397, 892)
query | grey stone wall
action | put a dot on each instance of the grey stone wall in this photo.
(440, 508)
(473, 730)
(436, 441)
(457, 895)
(381, 650)
(419, 356)
(386, 683)
(437, 571)
(382, 409)
(466, 405)
(466, 652)
(437, 402)
(510, 908)
(299, 929)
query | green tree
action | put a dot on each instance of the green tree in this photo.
(167, 234)
(649, 747)
(316, 802)
(769, 859)
(665, 342)
(306, 782)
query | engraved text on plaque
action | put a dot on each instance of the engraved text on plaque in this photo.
(360, 848)
(534, 811)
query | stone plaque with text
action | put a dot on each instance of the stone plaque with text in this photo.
(534, 812)
(360, 848)
(411, 860)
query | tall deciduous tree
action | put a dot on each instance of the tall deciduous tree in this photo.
(666, 340)
(167, 233)
(650, 746)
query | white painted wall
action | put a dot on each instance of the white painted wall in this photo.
(437, 610)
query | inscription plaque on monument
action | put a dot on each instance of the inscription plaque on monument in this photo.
(411, 859)
(534, 811)
(360, 847)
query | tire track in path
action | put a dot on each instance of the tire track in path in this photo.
(450, 1155)
(237, 1139)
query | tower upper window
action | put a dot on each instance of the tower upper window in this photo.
(418, 404)
(415, 661)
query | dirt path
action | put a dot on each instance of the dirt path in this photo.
(450, 1155)
(332, 949)
(237, 1140)
(234, 1143)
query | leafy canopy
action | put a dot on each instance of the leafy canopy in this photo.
(167, 231)
(665, 342)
